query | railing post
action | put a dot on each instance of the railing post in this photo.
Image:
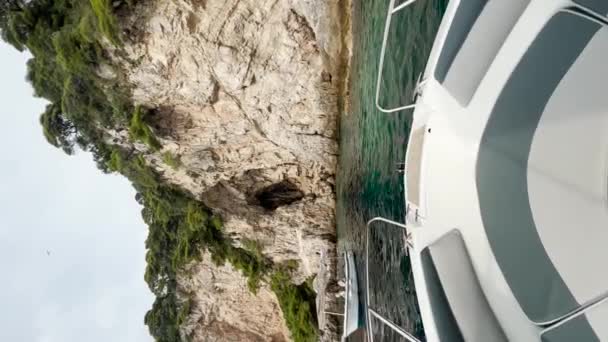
(370, 312)
(395, 327)
(391, 10)
(402, 6)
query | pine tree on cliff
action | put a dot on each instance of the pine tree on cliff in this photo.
(9, 12)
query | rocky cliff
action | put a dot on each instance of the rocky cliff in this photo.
(246, 94)
(226, 311)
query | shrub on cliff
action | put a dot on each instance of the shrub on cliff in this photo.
(298, 305)
(140, 131)
(172, 160)
(105, 18)
(162, 319)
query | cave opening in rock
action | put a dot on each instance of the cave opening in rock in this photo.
(278, 194)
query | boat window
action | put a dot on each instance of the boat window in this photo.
(478, 30)
(460, 309)
(577, 328)
(466, 14)
(447, 329)
(533, 192)
(598, 6)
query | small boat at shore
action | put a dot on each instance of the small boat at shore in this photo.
(352, 320)
(506, 174)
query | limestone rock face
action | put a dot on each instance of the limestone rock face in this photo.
(226, 311)
(248, 94)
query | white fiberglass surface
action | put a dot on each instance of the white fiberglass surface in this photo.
(567, 173)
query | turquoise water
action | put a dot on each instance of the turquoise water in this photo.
(372, 143)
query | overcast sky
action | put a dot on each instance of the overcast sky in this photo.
(90, 287)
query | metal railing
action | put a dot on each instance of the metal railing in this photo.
(391, 325)
(391, 11)
(371, 312)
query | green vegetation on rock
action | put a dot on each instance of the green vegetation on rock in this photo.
(140, 131)
(171, 160)
(297, 304)
(105, 18)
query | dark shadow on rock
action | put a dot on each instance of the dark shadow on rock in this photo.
(278, 194)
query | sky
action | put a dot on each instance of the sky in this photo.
(89, 286)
